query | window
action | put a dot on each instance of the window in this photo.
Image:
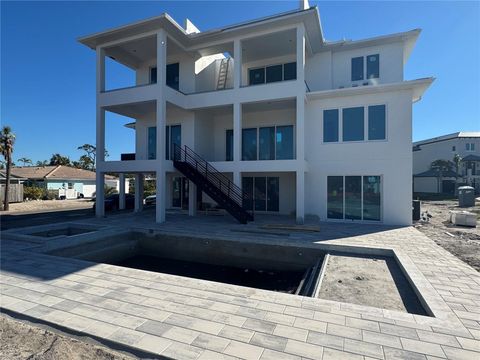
(153, 75)
(330, 125)
(70, 186)
(229, 145)
(290, 71)
(257, 76)
(249, 144)
(266, 138)
(357, 68)
(274, 73)
(152, 143)
(470, 146)
(354, 197)
(173, 75)
(264, 191)
(175, 138)
(373, 66)
(353, 124)
(454, 148)
(376, 122)
(173, 135)
(284, 142)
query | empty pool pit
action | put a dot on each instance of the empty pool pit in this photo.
(315, 272)
(65, 231)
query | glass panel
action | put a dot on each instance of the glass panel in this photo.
(330, 125)
(173, 71)
(266, 139)
(371, 198)
(153, 75)
(376, 122)
(290, 71)
(152, 143)
(284, 140)
(176, 138)
(249, 144)
(273, 193)
(167, 142)
(185, 183)
(357, 68)
(274, 73)
(177, 192)
(353, 124)
(373, 66)
(247, 187)
(353, 197)
(229, 145)
(256, 76)
(260, 193)
(335, 197)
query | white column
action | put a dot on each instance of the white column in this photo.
(301, 55)
(300, 129)
(192, 199)
(161, 116)
(300, 197)
(237, 132)
(100, 70)
(300, 113)
(237, 53)
(121, 191)
(138, 192)
(100, 194)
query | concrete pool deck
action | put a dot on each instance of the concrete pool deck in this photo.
(153, 314)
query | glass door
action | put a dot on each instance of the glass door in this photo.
(353, 197)
(180, 193)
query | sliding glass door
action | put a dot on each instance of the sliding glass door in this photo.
(265, 192)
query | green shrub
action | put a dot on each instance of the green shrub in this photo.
(50, 194)
(33, 192)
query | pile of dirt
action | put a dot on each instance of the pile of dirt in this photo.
(463, 242)
(19, 340)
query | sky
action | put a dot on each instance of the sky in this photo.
(48, 78)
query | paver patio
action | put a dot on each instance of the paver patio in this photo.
(184, 318)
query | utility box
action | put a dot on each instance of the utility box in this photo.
(463, 218)
(466, 196)
(416, 210)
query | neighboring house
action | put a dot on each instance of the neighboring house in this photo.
(68, 181)
(16, 187)
(465, 144)
(303, 125)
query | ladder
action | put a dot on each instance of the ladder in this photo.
(222, 73)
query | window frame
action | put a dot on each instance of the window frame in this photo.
(366, 66)
(351, 68)
(365, 76)
(264, 67)
(275, 126)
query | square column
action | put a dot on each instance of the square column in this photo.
(237, 132)
(300, 128)
(100, 194)
(192, 199)
(300, 197)
(237, 178)
(237, 53)
(301, 55)
(121, 191)
(161, 116)
(100, 70)
(138, 192)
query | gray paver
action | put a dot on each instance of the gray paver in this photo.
(330, 341)
(211, 342)
(269, 341)
(363, 348)
(307, 350)
(243, 351)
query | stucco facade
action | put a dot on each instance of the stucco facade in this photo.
(261, 121)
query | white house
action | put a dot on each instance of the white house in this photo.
(446, 147)
(302, 125)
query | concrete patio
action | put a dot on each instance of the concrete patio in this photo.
(159, 315)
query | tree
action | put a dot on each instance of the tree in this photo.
(441, 166)
(7, 139)
(58, 159)
(91, 154)
(25, 161)
(42, 163)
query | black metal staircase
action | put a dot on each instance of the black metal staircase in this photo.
(212, 182)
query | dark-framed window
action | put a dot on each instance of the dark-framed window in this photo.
(229, 145)
(353, 124)
(274, 73)
(249, 144)
(173, 75)
(376, 122)
(373, 66)
(290, 71)
(266, 143)
(330, 125)
(357, 68)
(153, 75)
(284, 143)
(256, 76)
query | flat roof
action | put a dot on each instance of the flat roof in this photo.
(459, 134)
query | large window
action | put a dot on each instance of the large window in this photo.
(173, 135)
(357, 68)
(264, 191)
(330, 125)
(354, 197)
(376, 122)
(373, 66)
(229, 145)
(353, 124)
(274, 143)
(173, 75)
(370, 71)
(272, 73)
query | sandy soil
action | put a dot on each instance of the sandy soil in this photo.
(22, 341)
(370, 281)
(463, 242)
(47, 205)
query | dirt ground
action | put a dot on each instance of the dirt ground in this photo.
(370, 281)
(19, 341)
(46, 205)
(463, 242)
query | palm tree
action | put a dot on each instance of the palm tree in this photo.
(7, 139)
(42, 163)
(58, 159)
(25, 161)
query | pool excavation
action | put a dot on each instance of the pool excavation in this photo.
(373, 278)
